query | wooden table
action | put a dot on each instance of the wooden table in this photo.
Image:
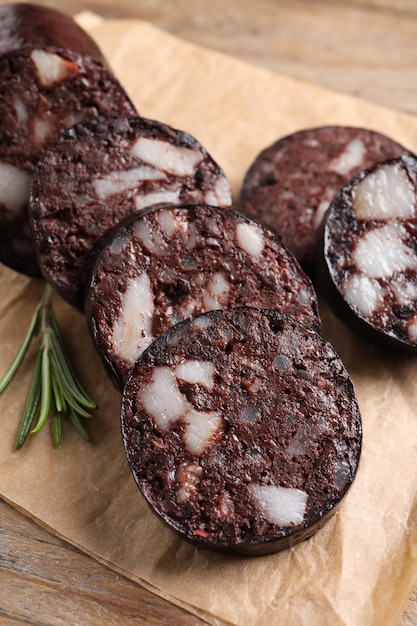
(367, 48)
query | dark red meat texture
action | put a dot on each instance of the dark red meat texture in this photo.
(287, 417)
(291, 183)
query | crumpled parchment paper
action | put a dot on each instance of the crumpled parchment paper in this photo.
(358, 570)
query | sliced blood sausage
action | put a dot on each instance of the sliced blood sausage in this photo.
(369, 253)
(242, 430)
(290, 184)
(45, 87)
(33, 25)
(175, 262)
(103, 170)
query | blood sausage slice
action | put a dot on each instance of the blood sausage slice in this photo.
(242, 430)
(290, 184)
(52, 75)
(103, 170)
(369, 262)
(176, 262)
(33, 25)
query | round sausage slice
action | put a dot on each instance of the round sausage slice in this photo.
(369, 254)
(33, 25)
(175, 262)
(242, 430)
(102, 171)
(290, 184)
(51, 76)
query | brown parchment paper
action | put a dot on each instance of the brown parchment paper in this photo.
(359, 569)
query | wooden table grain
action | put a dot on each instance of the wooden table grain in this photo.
(366, 48)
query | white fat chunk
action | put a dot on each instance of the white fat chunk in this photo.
(73, 118)
(51, 68)
(167, 157)
(189, 308)
(168, 222)
(327, 196)
(219, 285)
(192, 236)
(9, 39)
(221, 195)
(404, 290)
(185, 493)
(281, 505)
(199, 279)
(132, 331)
(150, 238)
(384, 194)
(144, 200)
(309, 432)
(123, 180)
(253, 364)
(210, 303)
(162, 399)
(226, 506)
(250, 238)
(200, 428)
(42, 129)
(22, 113)
(14, 187)
(412, 329)
(119, 243)
(381, 252)
(189, 476)
(301, 441)
(202, 322)
(319, 214)
(196, 372)
(352, 156)
(363, 294)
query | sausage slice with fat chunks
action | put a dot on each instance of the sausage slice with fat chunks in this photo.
(52, 75)
(369, 255)
(242, 430)
(175, 262)
(103, 170)
(32, 25)
(290, 184)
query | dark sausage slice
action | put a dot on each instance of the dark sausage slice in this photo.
(242, 430)
(44, 89)
(369, 254)
(102, 171)
(290, 184)
(176, 262)
(33, 25)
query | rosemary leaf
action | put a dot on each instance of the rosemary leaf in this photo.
(66, 388)
(58, 393)
(32, 404)
(57, 426)
(88, 402)
(66, 377)
(46, 392)
(21, 353)
(78, 425)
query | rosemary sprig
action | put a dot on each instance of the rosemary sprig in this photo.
(55, 389)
